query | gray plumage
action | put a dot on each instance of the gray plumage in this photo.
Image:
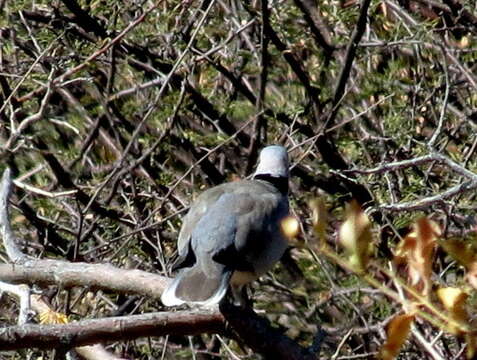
(232, 234)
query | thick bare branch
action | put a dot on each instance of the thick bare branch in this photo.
(88, 352)
(111, 329)
(94, 276)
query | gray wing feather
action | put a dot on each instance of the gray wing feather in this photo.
(198, 209)
(245, 215)
(232, 227)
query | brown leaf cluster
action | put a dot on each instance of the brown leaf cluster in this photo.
(416, 251)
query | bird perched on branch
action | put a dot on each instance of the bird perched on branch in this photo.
(232, 234)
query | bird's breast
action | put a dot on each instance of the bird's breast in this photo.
(240, 278)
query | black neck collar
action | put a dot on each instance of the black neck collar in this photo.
(280, 182)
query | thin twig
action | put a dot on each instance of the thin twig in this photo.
(425, 344)
(15, 133)
(423, 203)
(30, 69)
(206, 155)
(348, 61)
(444, 104)
(403, 164)
(426, 202)
(151, 109)
(108, 46)
(42, 192)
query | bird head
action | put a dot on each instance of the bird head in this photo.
(273, 161)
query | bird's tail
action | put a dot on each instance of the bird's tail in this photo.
(192, 285)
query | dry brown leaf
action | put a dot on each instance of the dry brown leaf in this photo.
(397, 333)
(416, 250)
(319, 218)
(462, 251)
(471, 341)
(471, 275)
(454, 300)
(356, 237)
(466, 254)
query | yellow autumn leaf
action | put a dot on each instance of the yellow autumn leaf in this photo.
(454, 300)
(290, 227)
(464, 42)
(397, 333)
(355, 236)
(52, 317)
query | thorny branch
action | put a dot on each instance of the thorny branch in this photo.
(420, 160)
(426, 202)
(97, 121)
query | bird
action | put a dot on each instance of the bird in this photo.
(232, 235)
